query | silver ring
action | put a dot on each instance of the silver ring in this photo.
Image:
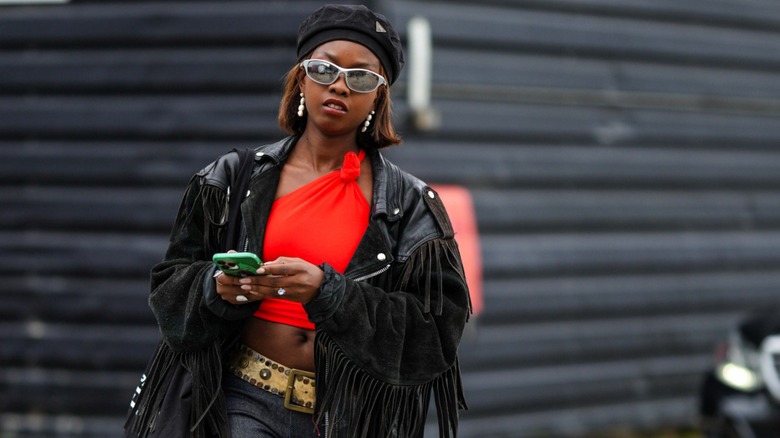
(241, 298)
(281, 291)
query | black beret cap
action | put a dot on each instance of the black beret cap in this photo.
(354, 23)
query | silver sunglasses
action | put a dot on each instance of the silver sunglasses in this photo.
(326, 73)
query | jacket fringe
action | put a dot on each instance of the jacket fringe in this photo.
(377, 408)
(215, 208)
(449, 397)
(205, 367)
(426, 264)
(206, 370)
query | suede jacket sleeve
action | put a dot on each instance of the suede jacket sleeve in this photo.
(190, 314)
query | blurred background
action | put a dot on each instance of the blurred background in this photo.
(622, 158)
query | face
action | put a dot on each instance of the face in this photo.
(335, 109)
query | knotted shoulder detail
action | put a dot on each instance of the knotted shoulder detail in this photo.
(350, 169)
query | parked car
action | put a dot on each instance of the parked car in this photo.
(740, 396)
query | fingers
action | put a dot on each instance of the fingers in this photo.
(230, 290)
(289, 278)
(282, 266)
(263, 287)
(224, 280)
(274, 279)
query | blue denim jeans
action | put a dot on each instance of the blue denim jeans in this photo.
(255, 413)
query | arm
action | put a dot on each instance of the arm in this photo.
(406, 323)
(391, 333)
(183, 289)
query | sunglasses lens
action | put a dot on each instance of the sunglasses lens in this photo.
(362, 81)
(321, 72)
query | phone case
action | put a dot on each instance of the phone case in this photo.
(238, 264)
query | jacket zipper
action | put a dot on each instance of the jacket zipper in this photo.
(327, 418)
(326, 421)
(373, 274)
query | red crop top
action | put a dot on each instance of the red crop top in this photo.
(322, 221)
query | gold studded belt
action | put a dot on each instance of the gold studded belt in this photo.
(295, 386)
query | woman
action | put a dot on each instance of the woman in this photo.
(362, 290)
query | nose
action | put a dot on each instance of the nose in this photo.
(340, 84)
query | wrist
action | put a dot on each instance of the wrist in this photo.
(328, 295)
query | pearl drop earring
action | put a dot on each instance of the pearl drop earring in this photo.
(301, 107)
(367, 122)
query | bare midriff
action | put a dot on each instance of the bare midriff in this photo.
(288, 345)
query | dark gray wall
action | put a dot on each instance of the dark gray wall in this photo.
(621, 154)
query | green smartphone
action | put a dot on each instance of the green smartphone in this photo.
(237, 264)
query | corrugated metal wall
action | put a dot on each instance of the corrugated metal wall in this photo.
(622, 155)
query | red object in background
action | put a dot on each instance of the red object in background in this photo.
(457, 200)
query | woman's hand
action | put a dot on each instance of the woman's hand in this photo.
(293, 279)
(229, 288)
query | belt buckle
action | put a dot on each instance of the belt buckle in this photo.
(289, 390)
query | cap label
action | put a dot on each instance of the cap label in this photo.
(379, 28)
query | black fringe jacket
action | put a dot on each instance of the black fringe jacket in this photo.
(387, 331)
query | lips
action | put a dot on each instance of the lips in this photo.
(334, 105)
